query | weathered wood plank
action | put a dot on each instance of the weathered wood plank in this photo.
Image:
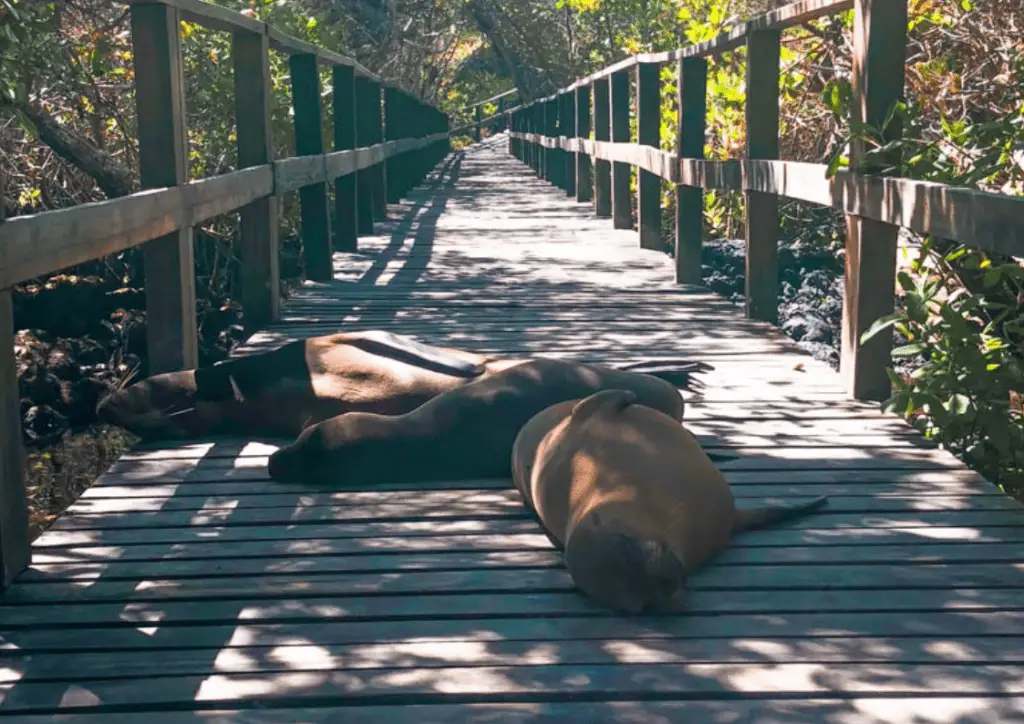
(648, 115)
(622, 204)
(15, 551)
(584, 163)
(208, 15)
(171, 332)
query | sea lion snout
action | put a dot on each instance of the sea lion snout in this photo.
(624, 571)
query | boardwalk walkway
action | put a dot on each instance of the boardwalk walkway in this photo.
(185, 586)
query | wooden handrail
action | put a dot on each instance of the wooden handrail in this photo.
(407, 135)
(876, 207)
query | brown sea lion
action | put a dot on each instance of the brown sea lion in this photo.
(467, 432)
(283, 391)
(631, 498)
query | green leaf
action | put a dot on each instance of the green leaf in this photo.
(879, 324)
(909, 350)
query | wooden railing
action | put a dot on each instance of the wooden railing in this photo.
(579, 139)
(385, 141)
(497, 121)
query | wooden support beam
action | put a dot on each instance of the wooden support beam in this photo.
(15, 550)
(364, 137)
(762, 210)
(879, 60)
(602, 168)
(309, 141)
(567, 128)
(377, 172)
(169, 267)
(584, 168)
(476, 117)
(622, 206)
(551, 167)
(346, 235)
(693, 79)
(648, 112)
(258, 229)
(394, 113)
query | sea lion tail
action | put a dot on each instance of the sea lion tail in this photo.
(754, 518)
(678, 372)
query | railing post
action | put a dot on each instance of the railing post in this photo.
(364, 138)
(693, 87)
(602, 168)
(762, 210)
(501, 113)
(584, 180)
(346, 233)
(550, 154)
(168, 263)
(567, 128)
(258, 229)
(648, 113)
(476, 117)
(622, 208)
(393, 113)
(15, 551)
(537, 128)
(879, 72)
(380, 202)
(309, 141)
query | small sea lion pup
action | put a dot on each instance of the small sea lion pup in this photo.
(285, 390)
(632, 499)
(464, 433)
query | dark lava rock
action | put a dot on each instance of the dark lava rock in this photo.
(42, 426)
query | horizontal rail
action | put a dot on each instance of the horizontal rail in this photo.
(33, 245)
(492, 99)
(987, 220)
(785, 17)
(215, 17)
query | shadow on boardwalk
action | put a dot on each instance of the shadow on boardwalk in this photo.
(185, 580)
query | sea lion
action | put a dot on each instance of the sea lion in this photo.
(283, 391)
(630, 497)
(464, 433)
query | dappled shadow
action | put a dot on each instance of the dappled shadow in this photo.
(187, 580)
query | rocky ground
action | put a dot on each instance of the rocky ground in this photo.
(811, 281)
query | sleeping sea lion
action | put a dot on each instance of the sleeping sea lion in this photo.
(283, 391)
(632, 499)
(464, 433)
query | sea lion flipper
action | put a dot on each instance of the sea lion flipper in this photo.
(747, 519)
(609, 401)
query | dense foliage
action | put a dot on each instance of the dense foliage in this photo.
(67, 135)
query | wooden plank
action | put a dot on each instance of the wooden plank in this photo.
(800, 629)
(584, 163)
(762, 210)
(309, 141)
(470, 602)
(15, 551)
(171, 332)
(567, 130)
(346, 235)
(648, 115)
(692, 103)
(879, 59)
(495, 684)
(622, 208)
(863, 709)
(416, 654)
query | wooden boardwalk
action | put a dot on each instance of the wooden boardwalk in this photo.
(185, 586)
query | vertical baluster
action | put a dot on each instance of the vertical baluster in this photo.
(258, 228)
(648, 111)
(345, 200)
(364, 138)
(622, 206)
(602, 132)
(584, 168)
(879, 59)
(693, 76)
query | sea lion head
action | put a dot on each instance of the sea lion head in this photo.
(162, 406)
(620, 568)
(351, 448)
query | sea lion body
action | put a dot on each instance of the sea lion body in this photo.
(283, 391)
(467, 432)
(630, 496)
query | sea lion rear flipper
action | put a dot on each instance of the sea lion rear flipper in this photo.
(611, 401)
(424, 355)
(753, 518)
